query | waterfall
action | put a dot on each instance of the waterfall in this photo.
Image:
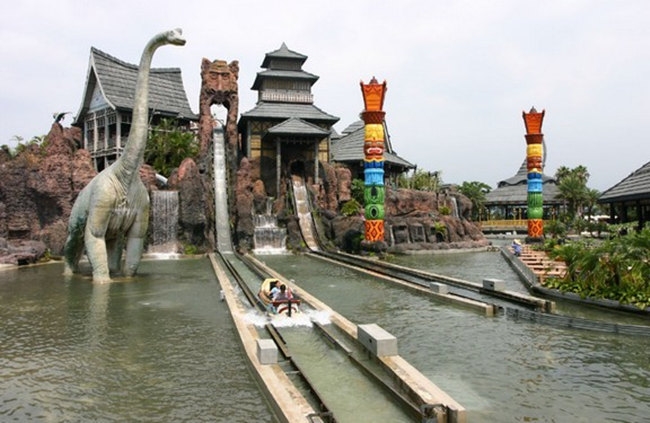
(222, 218)
(268, 237)
(164, 222)
(454, 207)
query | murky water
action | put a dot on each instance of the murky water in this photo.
(164, 348)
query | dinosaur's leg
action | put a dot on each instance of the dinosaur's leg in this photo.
(135, 242)
(114, 249)
(72, 251)
(134, 249)
(96, 247)
(74, 244)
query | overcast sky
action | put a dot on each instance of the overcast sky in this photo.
(459, 73)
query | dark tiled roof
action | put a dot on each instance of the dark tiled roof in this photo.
(514, 190)
(349, 148)
(308, 112)
(283, 53)
(296, 126)
(636, 186)
(284, 74)
(353, 127)
(117, 80)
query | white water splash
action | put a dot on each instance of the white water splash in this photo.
(304, 318)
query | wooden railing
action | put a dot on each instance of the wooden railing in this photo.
(503, 225)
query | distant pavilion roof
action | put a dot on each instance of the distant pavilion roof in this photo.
(116, 80)
(634, 187)
(349, 147)
(285, 74)
(514, 190)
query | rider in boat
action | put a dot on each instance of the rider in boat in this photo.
(264, 293)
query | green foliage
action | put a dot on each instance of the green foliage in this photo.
(351, 208)
(476, 192)
(357, 190)
(21, 146)
(191, 250)
(555, 228)
(421, 180)
(572, 188)
(168, 146)
(616, 269)
(444, 210)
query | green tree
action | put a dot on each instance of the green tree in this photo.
(421, 180)
(591, 201)
(572, 187)
(356, 191)
(167, 146)
(476, 192)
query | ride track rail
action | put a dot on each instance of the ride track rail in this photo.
(325, 414)
(515, 305)
(421, 279)
(374, 373)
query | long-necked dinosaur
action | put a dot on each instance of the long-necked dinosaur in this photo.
(112, 211)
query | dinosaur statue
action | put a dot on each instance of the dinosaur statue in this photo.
(113, 209)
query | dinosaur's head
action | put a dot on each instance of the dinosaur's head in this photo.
(175, 37)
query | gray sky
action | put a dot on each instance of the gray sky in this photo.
(459, 73)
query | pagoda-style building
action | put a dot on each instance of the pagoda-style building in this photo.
(629, 199)
(285, 130)
(507, 204)
(347, 149)
(107, 104)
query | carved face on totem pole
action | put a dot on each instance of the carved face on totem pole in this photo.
(374, 150)
(219, 79)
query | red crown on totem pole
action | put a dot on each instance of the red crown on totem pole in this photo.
(373, 95)
(533, 121)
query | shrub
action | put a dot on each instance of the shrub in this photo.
(351, 208)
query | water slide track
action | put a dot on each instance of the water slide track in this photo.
(513, 304)
(302, 207)
(222, 218)
(341, 341)
(291, 366)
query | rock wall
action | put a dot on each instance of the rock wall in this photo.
(415, 220)
(39, 186)
(37, 192)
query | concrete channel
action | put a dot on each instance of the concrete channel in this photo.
(287, 401)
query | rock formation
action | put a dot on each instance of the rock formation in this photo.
(38, 189)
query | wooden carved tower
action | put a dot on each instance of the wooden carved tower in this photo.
(535, 163)
(373, 162)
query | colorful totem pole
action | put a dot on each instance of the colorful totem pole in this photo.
(535, 165)
(373, 163)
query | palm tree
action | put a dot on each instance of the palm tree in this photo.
(574, 192)
(476, 192)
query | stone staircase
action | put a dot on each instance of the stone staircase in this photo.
(541, 265)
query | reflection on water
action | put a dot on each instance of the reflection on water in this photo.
(161, 348)
(500, 369)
